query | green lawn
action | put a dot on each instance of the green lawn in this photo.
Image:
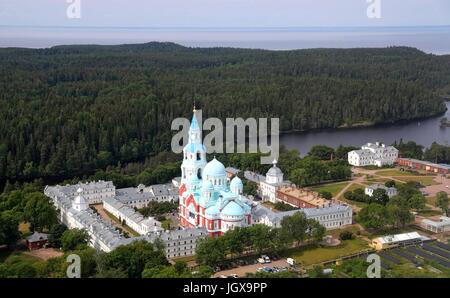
(424, 180)
(429, 212)
(394, 172)
(355, 203)
(185, 259)
(11, 257)
(309, 256)
(334, 188)
(335, 232)
(431, 200)
(124, 227)
(374, 180)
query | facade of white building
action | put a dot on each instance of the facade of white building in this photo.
(142, 195)
(94, 192)
(437, 226)
(131, 218)
(74, 212)
(390, 191)
(333, 216)
(373, 155)
(272, 182)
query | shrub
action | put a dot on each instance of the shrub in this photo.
(346, 235)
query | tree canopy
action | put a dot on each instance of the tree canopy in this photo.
(70, 110)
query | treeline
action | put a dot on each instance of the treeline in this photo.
(29, 205)
(322, 164)
(136, 260)
(436, 153)
(67, 111)
(294, 230)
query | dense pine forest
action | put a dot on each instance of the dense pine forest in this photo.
(71, 110)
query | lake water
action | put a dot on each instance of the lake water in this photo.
(433, 39)
(423, 132)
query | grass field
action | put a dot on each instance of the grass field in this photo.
(11, 257)
(425, 180)
(335, 232)
(429, 212)
(309, 256)
(124, 227)
(374, 180)
(334, 188)
(355, 203)
(431, 200)
(185, 259)
(393, 172)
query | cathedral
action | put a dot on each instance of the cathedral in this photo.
(206, 199)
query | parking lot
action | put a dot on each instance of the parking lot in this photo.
(444, 185)
(242, 270)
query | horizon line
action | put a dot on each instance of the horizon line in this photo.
(221, 28)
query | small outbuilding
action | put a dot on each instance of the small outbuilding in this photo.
(37, 240)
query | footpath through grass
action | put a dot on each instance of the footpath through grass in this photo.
(333, 188)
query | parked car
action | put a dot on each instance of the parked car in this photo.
(233, 275)
(290, 261)
(261, 260)
(265, 258)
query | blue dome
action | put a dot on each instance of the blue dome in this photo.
(232, 208)
(236, 182)
(214, 168)
(213, 210)
(207, 185)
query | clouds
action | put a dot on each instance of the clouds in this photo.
(224, 13)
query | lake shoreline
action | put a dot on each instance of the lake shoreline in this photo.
(362, 126)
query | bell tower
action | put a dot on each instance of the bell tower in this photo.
(194, 153)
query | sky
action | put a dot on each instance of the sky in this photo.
(224, 13)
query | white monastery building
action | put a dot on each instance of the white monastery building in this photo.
(210, 204)
(74, 212)
(273, 181)
(373, 155)
(332, 216)
(390, 191)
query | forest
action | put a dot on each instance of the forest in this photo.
(70, 111)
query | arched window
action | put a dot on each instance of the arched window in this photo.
(199, 157)
(199, 173)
